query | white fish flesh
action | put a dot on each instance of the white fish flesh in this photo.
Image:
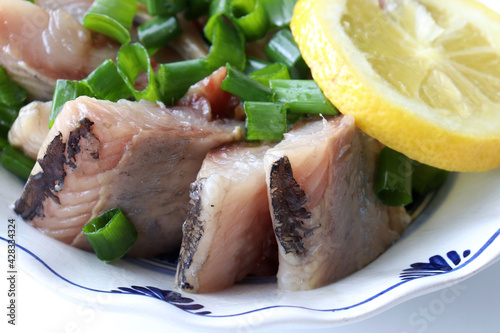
(138, 156)
(228, 233)
(39, 46)
(327, 219)
(30, 128)
(77, 8)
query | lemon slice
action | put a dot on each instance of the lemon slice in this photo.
(422, 77)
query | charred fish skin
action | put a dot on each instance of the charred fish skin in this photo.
(347, 227)
(228, 232)
(192, 231)
(288, 201)
(42, 185)
(138, 156)
(46, 183)
(75, 139)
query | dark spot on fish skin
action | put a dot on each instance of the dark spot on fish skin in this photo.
(40, 186)
(192, 231)
(288, 201)
(186, 286)
(50, 180)
(73, 148)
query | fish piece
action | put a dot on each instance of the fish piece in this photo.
(139, 156)
(190, 44)
(76, 8)
(39, 46)
(228, 233)
(30, 128)
(208, 97)
(326, 216)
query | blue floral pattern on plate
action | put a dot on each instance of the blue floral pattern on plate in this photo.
(169, 296)
(436, 265)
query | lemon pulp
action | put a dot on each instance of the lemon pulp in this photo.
(423, 77)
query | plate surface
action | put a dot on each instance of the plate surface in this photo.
(453, 238)
(456, 236)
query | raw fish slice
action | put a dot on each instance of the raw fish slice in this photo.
(139, 156)
(190, 44)
(208, 97)
(326, 216)
(228, 232)
(77, 8)
(37, 47)
(30, 128)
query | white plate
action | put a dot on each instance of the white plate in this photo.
(454, 238)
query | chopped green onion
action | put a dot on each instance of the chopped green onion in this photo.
(175, 78)
(165, 7)
(112, 18)
(16, 162)
(302, 96)
(254, 64)
(228, 45)
(11, 94)
(8, 115)
(4, 131)
(106, 82)
(251, 17)
(12, 97)
(65, 91)
(283, 48)
(394, 178)
(245, 87)
(248, 15)
(111, 235)
(133, 59)
(276, 71)
(265, 121)
(3, 143)
(196, 9)
(292, 118)
(217, 9)
(159, 31)
(426, 179)
(279, 12)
